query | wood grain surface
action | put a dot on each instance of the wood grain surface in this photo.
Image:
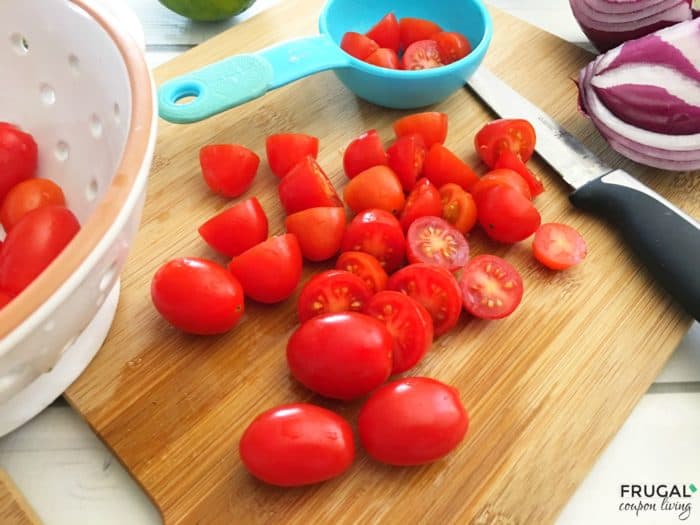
(14, 509)
(546, 388)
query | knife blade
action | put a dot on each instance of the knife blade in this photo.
(666, 239)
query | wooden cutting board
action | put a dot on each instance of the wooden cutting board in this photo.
(547, 388)
(14, 508)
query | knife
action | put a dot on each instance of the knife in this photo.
(666, 239)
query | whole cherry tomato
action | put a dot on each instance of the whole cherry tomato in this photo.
(26, 196)
(18, 157)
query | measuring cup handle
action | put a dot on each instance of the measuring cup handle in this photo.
(241, 78)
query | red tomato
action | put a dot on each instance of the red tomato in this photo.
(384, 57)
(412, 421)
(431, 125)
(435, 288)
(458, 207)
(366, 267)
(33, 243)
(491, 287)
(433, 240)
(378, 233)
(452, 46)
(358, 45)
(423, 201)
(414, 29)
(307, 186)
(332, 291)
(341, 356)
(509, 160)
(558, 246)
(5, 298)
(505, 215)
(197, 296)
(376, 187)
(270, 271)
(423, 54)
(517, 135)
(26, 196)
(319, 231)
(236, 229)
(365, 152)
(386, 33)
(409, 324)
(501, 177)
(18, 157)
(297, 444)
(286, 150)
(406, 156)
(442, 167)
(228, 169)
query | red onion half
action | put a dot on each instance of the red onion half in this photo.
(644, 97)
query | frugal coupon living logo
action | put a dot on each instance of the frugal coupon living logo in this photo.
(665, 498)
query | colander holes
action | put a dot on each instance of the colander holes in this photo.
(96, 125)
(92, 189)
(47, 93)
(19, 43)
(49, 326)
(62, 151)
(117, 113)
(108, 277)
(74, 63)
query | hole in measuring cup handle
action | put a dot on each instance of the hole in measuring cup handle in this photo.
(185, 93)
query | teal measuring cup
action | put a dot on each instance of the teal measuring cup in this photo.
(240, 78)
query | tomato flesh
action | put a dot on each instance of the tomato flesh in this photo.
(364, 152)
(18, 157)
(378, 233)
(319, 231)
(406, 157)
(516, 135)
(423, 201)
(413, 29)
(286, 150)
(423, 54)
(509, 160)
(236, 229)
(366, 267)
(332, 291)
(505, 215)
(358, 45)
(377, 187)
(228, 169)
(458, 207)
(306, 186)
(384, 57)
(442, 167)
(26, 196)
(559, 246)
(433, 240)
(491, 287)
(452, 46)
(431, 125)
(386, 33)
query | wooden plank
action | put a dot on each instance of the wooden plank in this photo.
(14, 509)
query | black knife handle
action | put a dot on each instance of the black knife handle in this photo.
(664, 238)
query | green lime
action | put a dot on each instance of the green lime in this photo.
(207, 10)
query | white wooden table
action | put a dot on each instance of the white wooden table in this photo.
(70, 477)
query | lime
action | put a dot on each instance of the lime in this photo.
(207, 10)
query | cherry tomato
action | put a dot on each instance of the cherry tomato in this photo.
(431, 125)
(423, 54)
(423, 201)
(406, 156)
(36, 240)
(458, 207)
(558, 246)
(237, 228)
(501, 177)
(358, 45)
(384, 57)
(228, 169)
(414, 29)
(332, 291)
(319, 231)
(18, 157)
(451, 45)
(517, 135)
(270, 271)
(306, 186)
(26, 196)
(297, 444)
(409, 324)
(435, 288)
(341, 356)
(505, 215)
(286, 150)
(386, 33)
(364, 152)
(508, 159)
(197, 296)
(491, 287)
(5, 298)
(378, 233)
(376, 187)
(412, 421)
(441, 167)
(366, 267)
(433, 240)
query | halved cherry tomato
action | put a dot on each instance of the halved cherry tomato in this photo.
(441, 167)
(364, 152)
(358, 45)
(18, 157)
(451, 45)
(408, 322)
(367, 267)
(431, 125)
(458, 207)
(423, 201)
(378, 233)
(236, 229)
(508, 159)
(332, 291)
(5, 298)
(501, 177)
(197, 296)
(517, 135)
(228, 169)
(423, 54)
(491, 287)
(506, 215)
(270, 271)
(433, 287)
(558, 246)
(319, 231)
(384, 57)
(286, 150)
(414, 29)
(386, 33)
(433, 240)
(406, 156)
(376, 187)
(26, 196)
(341, 356)
(306, 186)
